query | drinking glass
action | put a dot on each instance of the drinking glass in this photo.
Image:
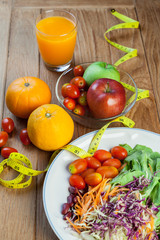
(56, 32)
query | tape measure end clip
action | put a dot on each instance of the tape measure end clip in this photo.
(113, 10)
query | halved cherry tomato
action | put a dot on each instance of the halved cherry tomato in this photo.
(69, 103)
(92, 162)
(79, 110)
(78, 166)
(6, 151)
(24, 137)
(79, 82)
(78, 70)
(107, 171)
(70, 90)
(119, 152)
(93, 179)
(7, 125)
(87, 171)
(82, 100)
(3, 138)
(77, 181)
(112, 162)
(102, 155)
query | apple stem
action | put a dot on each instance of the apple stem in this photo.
(107, 87)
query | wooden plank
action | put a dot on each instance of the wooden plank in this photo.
(72, 3)
(5, 15)
(148, 15)
(18, 206)
(138, 69)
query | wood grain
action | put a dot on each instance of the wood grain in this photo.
(137, 67)
(150, 25)
(72, 3)
(18, 214)
(22, 214)
(5, 15)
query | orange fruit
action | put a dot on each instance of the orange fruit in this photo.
(50, 127)
(25, 94)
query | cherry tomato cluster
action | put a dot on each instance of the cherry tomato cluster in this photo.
(75, 96)
(91, 171)
(8, 127)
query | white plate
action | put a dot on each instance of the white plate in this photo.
(55, 189)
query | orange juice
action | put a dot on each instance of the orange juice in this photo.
(56, 37)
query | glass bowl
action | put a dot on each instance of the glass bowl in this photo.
(88, 120)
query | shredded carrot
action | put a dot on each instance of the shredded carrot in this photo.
(150, 236)
(148, 229)
(119, 169)
(86, 205)
(152, 223)
(101, 189)
(79, 201)
(73, 225)
(113, 191)
(107, 193)
(79, 194)
(150, 168)
(137, 195)
(119, 197)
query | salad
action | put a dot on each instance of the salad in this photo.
(126, 207)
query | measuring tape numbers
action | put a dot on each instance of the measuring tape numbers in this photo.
(23, 165)
(131, 52)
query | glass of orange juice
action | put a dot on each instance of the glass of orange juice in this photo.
(56, 32)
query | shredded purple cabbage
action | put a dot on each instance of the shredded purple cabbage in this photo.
(138, 183)
(127, 212)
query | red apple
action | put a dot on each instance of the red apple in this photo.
(106, 98)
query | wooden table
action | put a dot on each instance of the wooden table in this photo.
(21, 211)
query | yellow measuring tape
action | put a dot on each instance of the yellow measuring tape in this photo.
(22, 164)
(131, 52)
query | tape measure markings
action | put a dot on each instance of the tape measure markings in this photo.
(96, 139)
(18, 161)
(128, 23)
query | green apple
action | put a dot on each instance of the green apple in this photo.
(98, 70)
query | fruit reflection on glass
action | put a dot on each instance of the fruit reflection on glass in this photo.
(56, 32)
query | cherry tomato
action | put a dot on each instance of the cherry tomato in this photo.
(119, 152)
(93, 179)
(112, 162)
(79, 110)
(7, 125)
(6, 151)
(87, 171)
(82, 100)
(63, 90)
(24, 137)
(3, 138)
(78, 166)
(102, 155)
(107, 171)
(77, 181)
(92, 162)
(70, 90)
(69, 103)
(79, 82)
(78, 70)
